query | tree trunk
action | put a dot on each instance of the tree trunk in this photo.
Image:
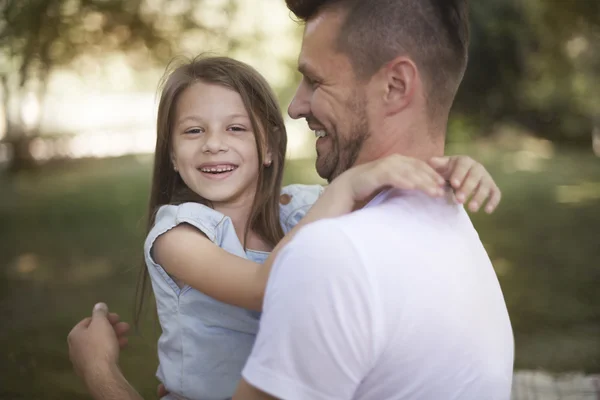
(22, 158)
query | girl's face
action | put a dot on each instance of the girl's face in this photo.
(214, 148)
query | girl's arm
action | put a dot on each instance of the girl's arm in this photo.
(185, 253)
(190, 257)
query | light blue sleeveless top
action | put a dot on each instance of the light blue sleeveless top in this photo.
(205, 343)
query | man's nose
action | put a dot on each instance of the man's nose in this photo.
(300, 105)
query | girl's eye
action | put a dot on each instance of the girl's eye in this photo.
(236, 128)
(194, 130)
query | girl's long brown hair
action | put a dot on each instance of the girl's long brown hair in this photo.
(269, 131)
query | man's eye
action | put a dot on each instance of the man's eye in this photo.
(311, 81)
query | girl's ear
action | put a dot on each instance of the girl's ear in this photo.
(268, 159)
(174, 163)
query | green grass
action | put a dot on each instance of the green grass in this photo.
(71, 235)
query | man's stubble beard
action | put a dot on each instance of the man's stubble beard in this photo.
(345, 150)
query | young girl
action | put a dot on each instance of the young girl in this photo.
(216, 212)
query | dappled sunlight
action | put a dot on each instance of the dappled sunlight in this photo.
(30, 111)
(87, 271)
(576, 46)
(29, 267)
(32, 267)
(523, 161)
(98, 144)
(530, 155)
(575, 194)
(26, 264)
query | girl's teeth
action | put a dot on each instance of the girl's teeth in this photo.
(218, 170)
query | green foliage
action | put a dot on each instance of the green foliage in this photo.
(54, 32)
(37, 36)
(534, 63)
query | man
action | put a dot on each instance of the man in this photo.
(397, 300)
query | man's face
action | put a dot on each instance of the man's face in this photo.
(330, 97)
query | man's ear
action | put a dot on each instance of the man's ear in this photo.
(402, 80)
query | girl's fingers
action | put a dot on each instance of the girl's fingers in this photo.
(427, 183)
(494, 200)
(469, 184)
(479, 197)
(460, 172)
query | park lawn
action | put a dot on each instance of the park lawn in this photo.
(72, 234)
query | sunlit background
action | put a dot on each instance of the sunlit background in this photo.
(78, 83)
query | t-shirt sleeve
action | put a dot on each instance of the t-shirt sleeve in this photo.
(317, 336)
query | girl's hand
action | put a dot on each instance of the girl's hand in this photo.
(469, 179)
(393, 171)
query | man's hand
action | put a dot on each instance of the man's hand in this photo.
(94, 342)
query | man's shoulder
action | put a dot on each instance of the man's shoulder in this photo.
(321, 234)
(412, 206)
(323, 248)
(386, 207)
(348, 230)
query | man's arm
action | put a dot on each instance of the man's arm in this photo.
(320, 323)
(110, 384)
(94, 345)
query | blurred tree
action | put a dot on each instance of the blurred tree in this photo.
(534, 63)
(39, 35)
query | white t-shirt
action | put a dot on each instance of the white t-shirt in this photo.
(396, 301)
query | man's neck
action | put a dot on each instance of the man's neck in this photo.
(414, 139)
(418, 141)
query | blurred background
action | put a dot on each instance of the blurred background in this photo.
(78, 85)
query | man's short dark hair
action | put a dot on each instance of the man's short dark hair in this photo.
(434, 33)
